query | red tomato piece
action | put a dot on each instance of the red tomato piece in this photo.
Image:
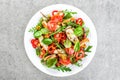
(51, 48)
(65, 62)
(52, 25)
(34, 42)
(79, 21)
(55, 11)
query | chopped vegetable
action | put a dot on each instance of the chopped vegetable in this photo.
(47, 41)
(78, 31)
(88, 49)
(63, 68)
(67, 43)
(77, 46)
(51, 62)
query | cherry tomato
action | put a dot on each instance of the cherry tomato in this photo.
(51, 48)
(80, 54)
(55, 11)
(34, 42)
(79, 21)
(57, 37)
(52, 26)
(65, 62)
(60, 37)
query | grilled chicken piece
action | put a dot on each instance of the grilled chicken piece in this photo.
(59, 51)
(70, 34)
(42, 44)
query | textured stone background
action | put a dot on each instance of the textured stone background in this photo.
(14, 16)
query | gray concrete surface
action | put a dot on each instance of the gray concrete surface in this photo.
(14, 16)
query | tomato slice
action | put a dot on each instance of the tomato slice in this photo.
(52, 26)
(60, 37)
(65, 62)
(79, 54)
(55, 11)
(79, 21)
(51, 48)
(34, 42)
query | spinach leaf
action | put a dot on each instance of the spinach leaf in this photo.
(77, 46)
(78, 31)
(47, 41)
(37, 34)
(51, 62)
(67, 43)
(88, 49)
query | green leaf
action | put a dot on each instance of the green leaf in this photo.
(78, 31)
(58, 30)
(57, 44)
(47, 41)
(68, 14)
(67, 43)
(63, 68)
(33, 29)
(78, 64)
(73, 24)
(44, 31)
(37, 34)
(40, 22)
(51, 62)
(87, 31)
(37, 51)
(77, 46)
(88, 49)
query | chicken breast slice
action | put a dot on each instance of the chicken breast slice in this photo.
(70, 34)
(42, 44)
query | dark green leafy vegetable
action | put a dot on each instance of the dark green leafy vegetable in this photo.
(68, 14)
(67, 43)
(78, 31)
(58, 30)
(78, 64)
(87, 31)
(63, 68)
(51, 62)
(77, 46)
(47, 41)
(44, 31)
(37, 34)
(37, 51)
(88, 49)
(73, 24)
(33, 29)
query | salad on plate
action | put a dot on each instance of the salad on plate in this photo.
(61, 40)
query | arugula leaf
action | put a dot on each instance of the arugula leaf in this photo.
(47, 41)
(67, 43)
(87, 31)
(78, 64)
(73, 24)
(37, 51)
(58, 30)
(68, 14)
(88, 49)
(78, 31)
(57, 44)
(33, 29)
(37, 34)
(77, 46)
(63, 68)
(51, 62)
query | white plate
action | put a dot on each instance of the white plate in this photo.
(31, 52)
